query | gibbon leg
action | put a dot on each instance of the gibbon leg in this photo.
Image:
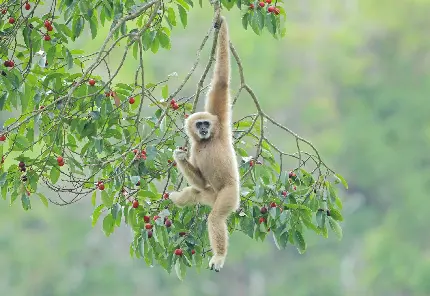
(190, 196)
(226, 202)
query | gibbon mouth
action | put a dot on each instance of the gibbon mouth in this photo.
(204, 133)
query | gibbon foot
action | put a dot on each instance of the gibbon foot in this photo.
(216, 262)
(179, 199)
(179, 155)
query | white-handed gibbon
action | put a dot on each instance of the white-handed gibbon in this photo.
(211, 168)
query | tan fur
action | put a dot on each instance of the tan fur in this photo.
(212, 169)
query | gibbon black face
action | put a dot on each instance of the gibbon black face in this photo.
(203, 129)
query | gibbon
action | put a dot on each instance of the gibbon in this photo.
(212, 169)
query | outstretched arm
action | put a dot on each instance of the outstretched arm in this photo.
(218, 101)
(190, 173)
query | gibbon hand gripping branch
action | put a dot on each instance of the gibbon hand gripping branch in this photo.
(82, 136)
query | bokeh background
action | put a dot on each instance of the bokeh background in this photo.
(351, 76)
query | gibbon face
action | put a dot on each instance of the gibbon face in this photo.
(202, 126)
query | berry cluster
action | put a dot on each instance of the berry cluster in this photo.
(174, 105)
(60, 160)
(270, 9)
(142, 154)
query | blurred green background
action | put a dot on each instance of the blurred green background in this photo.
(351, 76)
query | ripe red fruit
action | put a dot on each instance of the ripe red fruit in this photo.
(193, 252)
(60, 159)
(23, 169)
(175, 106)
(49, 28)
(263, 210)
(149, 234)
(291, 174)
(251, 163)
(251, 6)
(172, 102)
(284, 193)
(148, 226)
(131, 100)
(42, 107)
(271, 8)
(47, 37)
(277, 11)
(27, 6)
(11, 20)
(6, 63)
(4, 11)
(268, 1)
(295, 188)
(261, 4)
(261, 220)
(101, 186)
(61, 163)
(107, 94)
(178, 252)
(156, 217)
(135, 203)
(182, 233)
(169, 161)
(146, 219)
(166, 195)
(2, 138)
(21, 164)
(168, 223)
(46, 23)
(91, 82)
(273, 205)
(11, 63)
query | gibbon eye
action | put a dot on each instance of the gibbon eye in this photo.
(198, 124)
(206, 123)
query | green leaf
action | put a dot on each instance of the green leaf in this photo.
(93, 26)
(22, 142)
(336, 215)
(107, 199)
(78, 26)
(108, 225)
(183, 15)
(96, 214)
(164, 40)
(341, 179)
(335, 227)
(299, 241)
(165, 91)
(25, 202)
(321, 218)
(180, 269)
(171, 16)
(55, 174)
(245, 21)
(43, 199)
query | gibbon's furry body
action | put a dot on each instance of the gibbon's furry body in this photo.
(212, 169)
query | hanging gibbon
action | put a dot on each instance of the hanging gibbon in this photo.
(211, 168)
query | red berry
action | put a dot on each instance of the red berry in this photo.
(49, 28)
(148, 226)
(291, 174)
(47, 37)
(168, 223)
(261, 220)
(156, 217)
(4, 11)
(295, 188)
(11, 63)
(172, 102)
(42, 107)
(166, 195)
(273, 205)
(284, 193)
(107, 94)
(261, 4)
(251, 163)
(271, 8)
(143, 152)
(175, 106)
(149, 234)
(134, 151)
(131, 100)
(21, 164)
(268, 1)
(47, 23)
(146, 219)
(193, 252)
(263, 210)
(27, 6)
(178, 252)
(60, 159)
(102, 187)
(61, 163)
(277, 11)
(169, 161)
(6, 63)
(92, 82)
(182, 233)
(135, 203)
(11, 20)
(2, 138)
(251, 6)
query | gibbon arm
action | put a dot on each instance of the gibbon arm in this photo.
(218, 101)
(192, 175)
